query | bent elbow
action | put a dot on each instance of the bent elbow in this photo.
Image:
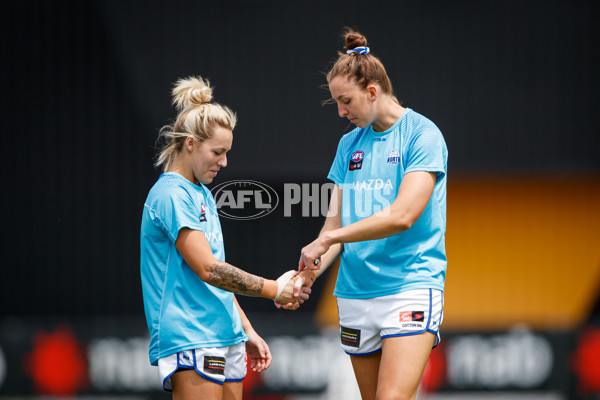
(204, 275)
(204, 272)
(403, 223)
(402, 226)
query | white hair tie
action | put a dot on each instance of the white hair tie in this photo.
(358, 50)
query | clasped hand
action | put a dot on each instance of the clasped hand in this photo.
(298, 284)
(296, 289)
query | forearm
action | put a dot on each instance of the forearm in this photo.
(227, 277)
(413, 196)
(382, 224)
(197, 253)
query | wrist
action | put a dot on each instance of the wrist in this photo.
(330, 238)
(314, 274)
(281, 283)
(269, 289)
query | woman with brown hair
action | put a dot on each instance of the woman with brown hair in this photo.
(387, 222)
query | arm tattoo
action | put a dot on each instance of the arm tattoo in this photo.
(232, 279)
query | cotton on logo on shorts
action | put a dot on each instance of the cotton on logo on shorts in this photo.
(406, 316)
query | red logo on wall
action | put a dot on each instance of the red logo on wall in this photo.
(57, 364)
(585, 361)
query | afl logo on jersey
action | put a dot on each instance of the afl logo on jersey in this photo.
(356, 160)
(202, 213)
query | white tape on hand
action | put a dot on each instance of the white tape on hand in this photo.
(282, 282)
(299, 282)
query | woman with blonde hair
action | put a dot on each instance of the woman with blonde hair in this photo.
(199, 335)
(387, 220)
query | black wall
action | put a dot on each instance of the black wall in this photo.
(86, 86)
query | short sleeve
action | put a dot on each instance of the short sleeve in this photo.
(178, 210)
(426, 152)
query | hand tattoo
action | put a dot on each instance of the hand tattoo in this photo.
(232, 279)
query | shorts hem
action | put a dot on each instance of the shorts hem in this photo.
(190, 369)
(235, 380)
(404, 334)
(438, 338)
(208, 378)
(166, 379)
(435, 333)
(363, 354)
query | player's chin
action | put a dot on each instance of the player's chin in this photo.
(207, 179)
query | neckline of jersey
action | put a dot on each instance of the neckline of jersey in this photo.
(391, 128)
(200, 185)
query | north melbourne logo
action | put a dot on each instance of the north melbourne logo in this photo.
(394, 157)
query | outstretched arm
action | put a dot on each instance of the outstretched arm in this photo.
(196, 251)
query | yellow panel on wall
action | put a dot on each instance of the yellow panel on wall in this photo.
(520, 250)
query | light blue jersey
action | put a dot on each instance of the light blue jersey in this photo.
(369, 166)
(182, 311)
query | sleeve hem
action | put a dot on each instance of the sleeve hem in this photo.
(191, 227)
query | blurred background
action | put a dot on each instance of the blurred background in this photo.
(511, 84)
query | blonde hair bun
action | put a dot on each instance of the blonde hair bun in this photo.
(191, 92)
